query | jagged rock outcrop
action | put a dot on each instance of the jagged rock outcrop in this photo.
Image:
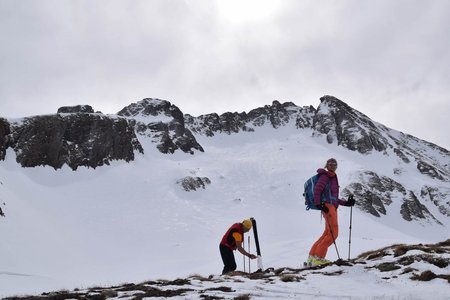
(374, 192)
(429, 170)
(213, 123)
(164, 123)
(190, 183)
(402, 155)
(348, 127)
(275, 115)
(412, 209)
(4, 137)
(74, 139)
(75, 109)
(438, 196)
(205, 124)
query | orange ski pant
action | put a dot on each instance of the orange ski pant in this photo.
(320, 247)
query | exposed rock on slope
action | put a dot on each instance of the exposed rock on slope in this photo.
(375, 193)
(413, 209)
(350, 128)
(190, 183)
(164, 123)
(75, 109)
(438, 197)
(276, 115)
(4, 137)
(79, 139)
(431, 171)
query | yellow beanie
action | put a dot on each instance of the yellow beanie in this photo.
(247, 224)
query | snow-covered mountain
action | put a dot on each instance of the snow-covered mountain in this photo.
(148, 192)
(341, 125)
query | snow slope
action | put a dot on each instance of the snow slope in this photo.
(130, 222)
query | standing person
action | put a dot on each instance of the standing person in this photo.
(231, 241)
(326, 196)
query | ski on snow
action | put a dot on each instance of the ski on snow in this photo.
(258, 250)
(339, 262)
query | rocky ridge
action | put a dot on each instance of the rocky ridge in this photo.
(171, 130)
(339, 124)
(77, 136)
(276, 115)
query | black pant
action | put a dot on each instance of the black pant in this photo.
(228, 259)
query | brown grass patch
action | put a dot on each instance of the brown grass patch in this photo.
(424, 276)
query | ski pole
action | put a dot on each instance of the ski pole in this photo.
(249, 271)
(332, 235)
(350, 235)
(243, 256)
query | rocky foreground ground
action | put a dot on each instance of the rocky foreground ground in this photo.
(394, 264)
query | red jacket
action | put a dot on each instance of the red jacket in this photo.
(228, 239)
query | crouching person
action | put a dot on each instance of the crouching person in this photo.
(231, 241)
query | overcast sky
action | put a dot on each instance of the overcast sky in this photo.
(389, 59)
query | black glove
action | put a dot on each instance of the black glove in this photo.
(323, 208)
(350, 200)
